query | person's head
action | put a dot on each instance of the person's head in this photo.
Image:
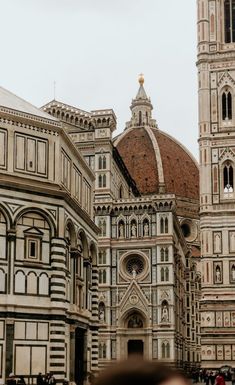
(140, 372)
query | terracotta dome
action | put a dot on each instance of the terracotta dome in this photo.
(157, 162)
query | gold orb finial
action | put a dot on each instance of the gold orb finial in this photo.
(141, 79)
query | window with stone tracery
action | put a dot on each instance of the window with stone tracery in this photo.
(102, 180)
(102, 162)
(164, 274)
(228, 178)
(102, 276)
(164, 252)
(165, 350)
(102, 257)
(229, 21)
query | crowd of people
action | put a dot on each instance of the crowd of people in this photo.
(124, 370)
(213, 377)
(47, 379)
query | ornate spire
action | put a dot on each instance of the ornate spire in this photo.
(141, 107)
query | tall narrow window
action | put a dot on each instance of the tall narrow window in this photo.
(228, 178)
(102, 162)
(227, 110)
(229, 21)
(140, 118)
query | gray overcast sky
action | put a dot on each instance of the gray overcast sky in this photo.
(95, 49)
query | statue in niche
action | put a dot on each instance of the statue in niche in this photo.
(218, 274)
(121, 230)
(101, 313)
(79, 244)
(217, 243)
(133, 230)
(232, 241)
(233, 273)
(146, 229)
(165, 312)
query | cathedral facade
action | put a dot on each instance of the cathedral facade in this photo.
(147, 211)
(110, 245)
(216, 73)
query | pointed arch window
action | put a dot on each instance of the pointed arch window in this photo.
(227, 109)
(102, 162)
(165, 350)
(229, 21)
(102, 180)
(228, 178)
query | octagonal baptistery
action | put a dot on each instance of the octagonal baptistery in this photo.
(156, 161)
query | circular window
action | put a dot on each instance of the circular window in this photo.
(186, 230)
(135, 265)
(189, 229)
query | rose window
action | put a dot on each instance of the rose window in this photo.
(135, 265)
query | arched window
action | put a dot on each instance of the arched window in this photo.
(166, 274)
(121, 192)
(163, 350)
(102, 162)
(166, 254)
(162, 274)
(140, 118)
(168, 350)
(102, 350)
(102, 257)
(166, 225)
(162, 255)
(102, 180)
(227, 105)
(147, 117)
(164, 228)
(228, 178)
(102, 276)
(229, 21)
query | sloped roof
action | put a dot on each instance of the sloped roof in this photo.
(10, 100)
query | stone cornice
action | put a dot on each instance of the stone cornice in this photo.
(41, 188)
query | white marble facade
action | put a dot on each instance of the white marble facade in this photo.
(216, 73)
(48, 260)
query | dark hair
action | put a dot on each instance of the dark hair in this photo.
(138, 372)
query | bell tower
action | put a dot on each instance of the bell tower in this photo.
(216, 84)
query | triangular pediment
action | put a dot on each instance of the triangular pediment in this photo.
(227, 154)
(133, 299)
(33, 231)
(226, 79)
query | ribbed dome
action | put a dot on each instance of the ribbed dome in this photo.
(157, 162)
